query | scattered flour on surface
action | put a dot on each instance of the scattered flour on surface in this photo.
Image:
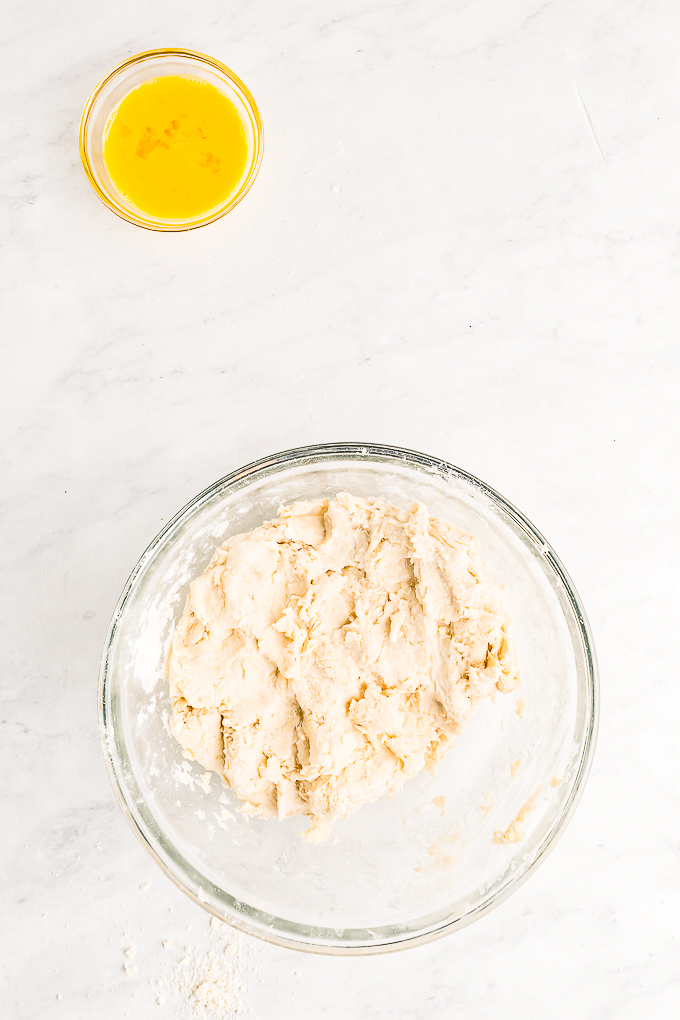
(210, 982)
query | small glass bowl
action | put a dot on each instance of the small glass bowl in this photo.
(404, 870)
(157, 64)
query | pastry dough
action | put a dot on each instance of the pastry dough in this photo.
(331, 654)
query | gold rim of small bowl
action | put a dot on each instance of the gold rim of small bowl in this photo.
(152, 223)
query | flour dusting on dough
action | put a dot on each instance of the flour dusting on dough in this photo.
(333, 653)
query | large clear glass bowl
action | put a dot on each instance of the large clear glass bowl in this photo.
(403, 870)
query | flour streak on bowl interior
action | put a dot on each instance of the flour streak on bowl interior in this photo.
(402, 869)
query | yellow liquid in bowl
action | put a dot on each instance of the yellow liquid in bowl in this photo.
(175, 147)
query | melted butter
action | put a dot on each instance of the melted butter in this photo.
(175, 147)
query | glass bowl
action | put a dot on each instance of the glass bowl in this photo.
(126, 76)
(404, 870)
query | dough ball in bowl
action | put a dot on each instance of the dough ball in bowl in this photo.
(333, 653)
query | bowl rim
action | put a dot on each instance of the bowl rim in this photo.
(375, 451)
(149, 222)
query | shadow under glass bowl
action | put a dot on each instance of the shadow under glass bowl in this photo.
(404, 870)
(112, 89)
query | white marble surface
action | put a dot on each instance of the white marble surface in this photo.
(464, 239)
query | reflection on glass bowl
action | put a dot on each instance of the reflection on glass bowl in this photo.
(451, 845)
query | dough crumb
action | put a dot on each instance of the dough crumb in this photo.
(333, 653)
(514, 832)
(440, 850)
(514, 768)
(488, 803)
(439, 802)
